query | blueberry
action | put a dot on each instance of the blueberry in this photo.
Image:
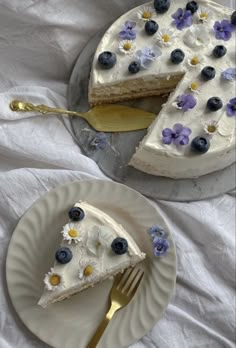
(162, 6)
(134, 67)
(151, 27)
(200, 145)
(177, 56)
(63, 255)
(233, 18)
(214, 104)
(208, 73)
(119, 246)
(76, 214)
(107, 60)
(192, 6)
(219, 51)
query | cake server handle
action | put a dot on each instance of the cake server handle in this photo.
(18, 105)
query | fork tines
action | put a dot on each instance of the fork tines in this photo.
(129, 281)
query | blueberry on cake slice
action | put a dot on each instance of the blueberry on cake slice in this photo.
(94, 247)
(185, 49)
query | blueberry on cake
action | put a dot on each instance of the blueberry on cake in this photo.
(94, 247)
(185, 49)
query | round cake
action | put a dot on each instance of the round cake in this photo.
(185, 49)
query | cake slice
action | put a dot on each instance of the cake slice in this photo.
(94, 247)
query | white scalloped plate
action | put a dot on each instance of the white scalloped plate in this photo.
(71, 323)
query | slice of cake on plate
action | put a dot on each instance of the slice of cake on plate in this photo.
(186, 48)
(94, 247)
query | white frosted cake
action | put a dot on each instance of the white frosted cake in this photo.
(94, 247)
(187, 49)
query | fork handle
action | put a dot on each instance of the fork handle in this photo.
(94, 341)
(101, 328)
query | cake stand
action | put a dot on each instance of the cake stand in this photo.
(114, 159)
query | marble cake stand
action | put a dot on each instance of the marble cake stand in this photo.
(114, 158)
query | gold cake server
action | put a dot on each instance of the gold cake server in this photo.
(105, 118)
(122, 292)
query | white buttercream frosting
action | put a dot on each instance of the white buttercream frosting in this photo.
(152, 155)
(97, 231)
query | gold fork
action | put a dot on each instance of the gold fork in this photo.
(105, 118)
(123, 290)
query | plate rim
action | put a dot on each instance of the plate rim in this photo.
(43, 197)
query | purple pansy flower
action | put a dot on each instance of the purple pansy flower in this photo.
(223, 30)
(231, 108)
(99, 141)
(229, 74)
(157, 231)
(128, 32)
(160, 246)
(182, 18)
(185, 102)
(179, 135)
(147, 55)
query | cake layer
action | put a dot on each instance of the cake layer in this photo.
(132, 89)
(207, 28)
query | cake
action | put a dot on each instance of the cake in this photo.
(94, 247)
(185, 49)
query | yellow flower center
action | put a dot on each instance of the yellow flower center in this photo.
(146, 15)
(73, 233)
(211, 128)
(127, 46)
(203, 15)
(194, 86)
(166, 38)
(195, 61)
(88, 270)
(55, 279)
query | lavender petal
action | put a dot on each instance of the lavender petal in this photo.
(230, 110)
(233, 101)
(129, 24)
(122, 34)
(160, 246)
(186, 131)
(184, 140)
(167, 140)
(178, 13)
(178, 127)
(227, 35)
(217, 26)
(167, 132)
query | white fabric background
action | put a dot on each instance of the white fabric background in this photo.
(39, 43)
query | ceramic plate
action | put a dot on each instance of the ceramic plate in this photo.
(71, 323)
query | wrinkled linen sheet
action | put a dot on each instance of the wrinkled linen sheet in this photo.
(39, 43)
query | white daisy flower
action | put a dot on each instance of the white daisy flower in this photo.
(195, 61)
(165, 37)
(197, 36)
(203, 14)
(71, 232)
(127, 46)
(195, 87)
(99, 239)
(146, 13)
(211, 127)
(53, 280)
(88, 270)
